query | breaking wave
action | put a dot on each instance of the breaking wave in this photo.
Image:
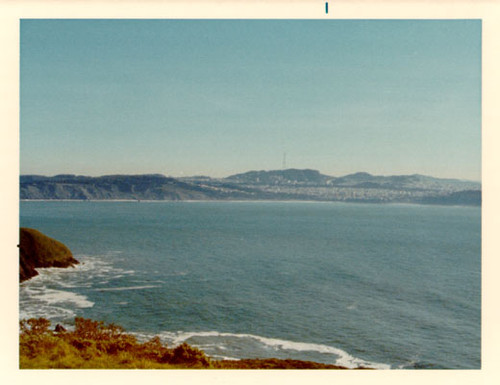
(52, 294)
(220, 345)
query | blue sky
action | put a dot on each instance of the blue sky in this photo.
(218, 97)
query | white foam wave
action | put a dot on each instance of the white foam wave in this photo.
(80, 275)
(225, 358)
(52, 296)
(342, 358)
(49, 312)
(126, 288)
(53, 274)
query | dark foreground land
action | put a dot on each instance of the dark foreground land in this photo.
(38, 250)
(95, 345)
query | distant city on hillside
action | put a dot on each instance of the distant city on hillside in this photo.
(289, 184)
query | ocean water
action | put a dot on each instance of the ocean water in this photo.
(385, 286)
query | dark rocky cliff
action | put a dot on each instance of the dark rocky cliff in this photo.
(39, 250)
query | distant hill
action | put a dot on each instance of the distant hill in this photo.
(415, 181)
(358, 180)
(290, 184)
(279, 177)
(119, 187)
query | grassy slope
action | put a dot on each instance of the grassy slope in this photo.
(94, 345)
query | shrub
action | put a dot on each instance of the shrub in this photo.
(99, 337)
(185, 354)
(34, 326)
(93, 344)
(155, 350)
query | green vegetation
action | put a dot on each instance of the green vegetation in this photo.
(95, 345)
(39, 250)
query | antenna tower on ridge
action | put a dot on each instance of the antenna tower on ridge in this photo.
(283, 166)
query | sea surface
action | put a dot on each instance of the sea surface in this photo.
(384, 286)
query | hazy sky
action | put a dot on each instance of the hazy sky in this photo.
(215, 97)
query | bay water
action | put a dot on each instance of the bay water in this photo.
(384, 286)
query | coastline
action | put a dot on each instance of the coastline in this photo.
(31, 342)
(95, 345)
(250, 201)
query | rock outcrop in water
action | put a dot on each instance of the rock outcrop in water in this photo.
(39, 250)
